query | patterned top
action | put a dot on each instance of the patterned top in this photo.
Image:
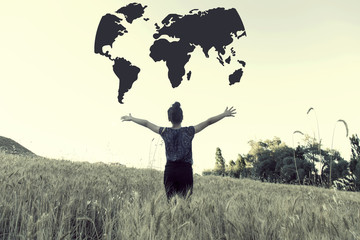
(178, 143)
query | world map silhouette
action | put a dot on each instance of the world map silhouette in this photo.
(213, 28)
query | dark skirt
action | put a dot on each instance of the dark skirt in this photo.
(178, 179)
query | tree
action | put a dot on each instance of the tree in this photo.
(219, 163)
(354, 165)
(264, 164)
(207, 172)
(313, 153)
(355, 152)
(267, 156)
(274, 161)
(239, 167)
(288, 171)
(339, 167)
(230, 169)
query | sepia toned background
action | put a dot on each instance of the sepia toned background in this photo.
(59, 99)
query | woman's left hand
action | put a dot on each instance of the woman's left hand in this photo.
(126, 118)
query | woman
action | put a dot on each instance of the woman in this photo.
(178, 175)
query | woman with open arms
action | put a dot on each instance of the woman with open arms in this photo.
(178, 175)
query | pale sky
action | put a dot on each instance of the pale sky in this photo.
(59, 99)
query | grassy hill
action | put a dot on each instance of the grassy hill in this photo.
(10, 146)
(57, 199)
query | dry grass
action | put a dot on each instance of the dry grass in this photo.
(51, 199)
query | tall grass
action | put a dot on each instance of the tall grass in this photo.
(53, 199)
(319, 147)
(297, 173)
(332, 143)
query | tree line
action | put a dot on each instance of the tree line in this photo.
(308, 164)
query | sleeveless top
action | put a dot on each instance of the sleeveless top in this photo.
(178, 143)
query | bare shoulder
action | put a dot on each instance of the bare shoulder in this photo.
(153, 127)
(201, 126)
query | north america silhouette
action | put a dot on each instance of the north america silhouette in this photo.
(175, 38)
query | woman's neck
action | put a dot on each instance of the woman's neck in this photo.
(176, 125)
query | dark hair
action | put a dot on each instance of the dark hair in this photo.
(175, 113)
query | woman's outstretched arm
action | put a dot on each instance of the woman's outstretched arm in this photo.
(141, 122)
(229, 112)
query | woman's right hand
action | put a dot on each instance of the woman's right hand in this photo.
(230, 112)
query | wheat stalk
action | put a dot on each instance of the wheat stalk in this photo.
(317, 124)
(332, 143)
(297, 172)
(346, 126)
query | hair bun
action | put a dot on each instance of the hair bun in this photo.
(176, 105)
(175, 113)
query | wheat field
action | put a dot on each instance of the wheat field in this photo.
(58, 199)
